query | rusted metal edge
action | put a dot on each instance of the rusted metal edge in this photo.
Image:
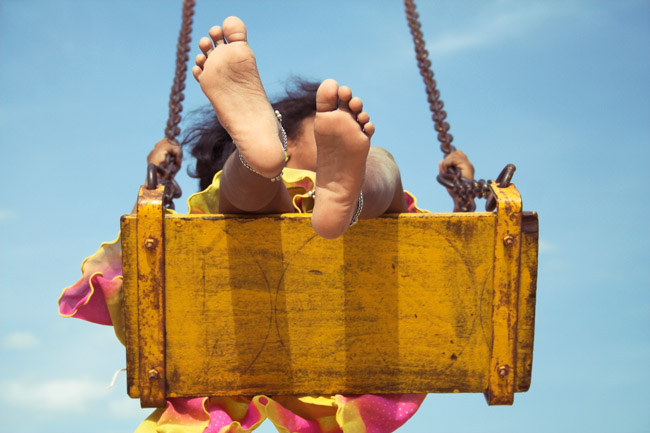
(130, 284)
(505, 300)
(151, 296)
(527, 300)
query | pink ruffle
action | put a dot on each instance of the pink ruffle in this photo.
(348, 414)
(100, 283)
(378, 413)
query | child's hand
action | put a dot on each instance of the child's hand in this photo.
(457, 159)
(160, 151)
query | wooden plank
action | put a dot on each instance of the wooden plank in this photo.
(291, 312)
(130, 287)
(399, 304)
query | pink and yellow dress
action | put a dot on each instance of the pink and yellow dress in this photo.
(97, 297)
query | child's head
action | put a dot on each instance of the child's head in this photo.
(210, 144)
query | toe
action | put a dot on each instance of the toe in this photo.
(345, 95)
(363, 118)
(196, 71)
(200, 60)
(216, 33)
(205, 45)
(369, 129)
(327, 96)
(356, 105)
(234, 29)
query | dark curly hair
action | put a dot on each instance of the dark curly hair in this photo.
(210, 144)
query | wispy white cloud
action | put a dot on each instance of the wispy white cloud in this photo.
(72, 396)
(492, 26)
(20, 340)
(83, 398)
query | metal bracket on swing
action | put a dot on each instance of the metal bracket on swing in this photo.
(151, 295)
(505, 295)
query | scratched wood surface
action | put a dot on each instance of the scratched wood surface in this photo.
(264, 306)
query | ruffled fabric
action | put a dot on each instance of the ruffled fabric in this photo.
(298, 182)
(99, 286)
(337, 414)
(97, 297)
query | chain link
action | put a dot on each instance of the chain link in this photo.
(182, 49)
(464, 190)
(172, 131)
(433, 95)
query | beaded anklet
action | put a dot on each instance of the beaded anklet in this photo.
(357, 212)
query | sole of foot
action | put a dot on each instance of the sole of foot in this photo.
(227, 71)
(342, 131)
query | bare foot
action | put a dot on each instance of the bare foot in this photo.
(342, 133)
(227, 73)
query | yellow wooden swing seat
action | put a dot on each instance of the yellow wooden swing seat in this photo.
(405, 303)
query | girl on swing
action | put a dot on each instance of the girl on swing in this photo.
(324, 130)
(309, 152)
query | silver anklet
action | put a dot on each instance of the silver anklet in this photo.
(357, 212)
(284, 147)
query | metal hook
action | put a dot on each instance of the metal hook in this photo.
(503, 180)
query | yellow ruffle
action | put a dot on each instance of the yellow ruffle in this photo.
(298, 182)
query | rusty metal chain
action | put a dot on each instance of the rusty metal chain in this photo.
(182, 49)
(172, 131)
(464, 190)
(433, 95)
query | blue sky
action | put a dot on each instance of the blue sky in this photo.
(561, 89)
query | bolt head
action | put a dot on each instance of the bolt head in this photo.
(503, 371)
(150, 243)
(153, 374)
(508, 240)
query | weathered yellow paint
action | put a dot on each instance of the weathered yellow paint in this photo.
(130, 286)
(261, 305)
(151, 291)
(505, 287)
